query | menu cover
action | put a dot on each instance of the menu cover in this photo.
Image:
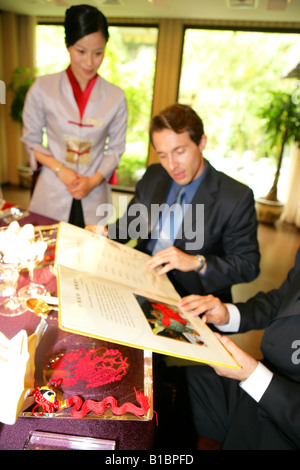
(107, 292)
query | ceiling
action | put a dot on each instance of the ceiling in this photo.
(230, 10)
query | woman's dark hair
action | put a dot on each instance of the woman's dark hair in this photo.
(179, 118)
(81, 20)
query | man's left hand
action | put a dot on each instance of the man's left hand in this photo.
(173, 258)
(246, 362)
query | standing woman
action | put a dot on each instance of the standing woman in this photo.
(85, 119)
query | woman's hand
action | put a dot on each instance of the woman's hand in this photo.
(67, 176)
(212, 309)
(80, 187)
(83, 185)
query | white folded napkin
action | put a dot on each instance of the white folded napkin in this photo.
(17, 370)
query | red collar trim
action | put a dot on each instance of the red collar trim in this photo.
(81, 97)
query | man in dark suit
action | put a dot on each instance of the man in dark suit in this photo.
(216, 245)
(260, 407)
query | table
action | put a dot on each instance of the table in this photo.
(130, 433)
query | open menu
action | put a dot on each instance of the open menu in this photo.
(106, 291)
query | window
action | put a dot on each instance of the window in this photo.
(232, 73)
(129, 63)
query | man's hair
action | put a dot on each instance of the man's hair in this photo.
(178, 118)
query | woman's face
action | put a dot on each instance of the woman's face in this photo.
(86, 56)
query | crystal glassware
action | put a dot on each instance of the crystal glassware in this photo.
(10, 304)
(34, 250)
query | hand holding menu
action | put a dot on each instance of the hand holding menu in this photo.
(106, 291)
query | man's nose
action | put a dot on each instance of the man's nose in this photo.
(172, 162)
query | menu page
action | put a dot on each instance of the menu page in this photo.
(112, 261)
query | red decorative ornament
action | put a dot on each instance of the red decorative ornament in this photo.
(96, 367)
(46, 397)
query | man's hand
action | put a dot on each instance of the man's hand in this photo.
(215, 312)
(212, 309)
(97, 229)
(246, 362)
(173, 258)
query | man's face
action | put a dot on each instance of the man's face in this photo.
(179, 155)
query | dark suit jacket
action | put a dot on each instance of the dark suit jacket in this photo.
(278, 420)
(230, 230)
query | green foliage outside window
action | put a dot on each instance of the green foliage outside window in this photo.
(21, 80)
(281, 118)
(233, 74)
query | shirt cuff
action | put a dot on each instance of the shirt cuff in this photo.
(258, 382)
(234, 320)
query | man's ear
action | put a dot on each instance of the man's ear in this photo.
(202, 143)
